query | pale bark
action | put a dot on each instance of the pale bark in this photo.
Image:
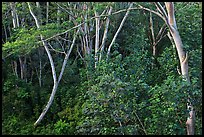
(21, 67)
(53, 72)
(170, 21)
(67, 56)
(190, 123)
(161, 34)
(13, 14)
(47, 12)
(58, 15)
(17, 19)
(15, 68)
(56, 82)
(97, 37)
(39, 12)
(153, 37)
(40, 71)
(86, 29)
(117, 32)
(105, 33)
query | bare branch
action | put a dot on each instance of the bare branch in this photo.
(121, 24)
(55, 49)
(157, 13)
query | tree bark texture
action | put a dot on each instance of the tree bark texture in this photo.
(54, 89)
(183, 58)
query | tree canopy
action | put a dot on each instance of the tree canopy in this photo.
(101, 68)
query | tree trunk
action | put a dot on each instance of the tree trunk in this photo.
(153, 37)
(15, 68)
(97, 37)
(183, 58)
(54, 89)
(25, 69)
(105, 33)
(21, 66)
(47, 12)
(56, 82)
(39, 15)
(13, 14)
(58, 15)
(117, 32)
(5, 32)
(40, 71)
(67, 56)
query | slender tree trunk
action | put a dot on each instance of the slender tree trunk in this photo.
(5, 32)
(153, 37)
(105, 33)
(54, 89)
(67, 56)
(40, 70)
(117, 32)
(39, 15)
(25, 69)
(17, 19)
(21, 66)
(9, 30)
(56, 82)
(183, 58)
(13, 14)
(97, 37)
(15, 68)
(58, 15)
(47, 12)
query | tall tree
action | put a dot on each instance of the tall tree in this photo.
(118, 30)
(55, 80)
(169, 17)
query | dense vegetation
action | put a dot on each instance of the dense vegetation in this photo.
(133, 92)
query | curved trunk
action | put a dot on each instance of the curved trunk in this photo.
(183, 58)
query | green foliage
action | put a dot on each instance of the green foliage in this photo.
(22, 42)
(61, 127)
(10, 125)
(109, 105)
(133, 93)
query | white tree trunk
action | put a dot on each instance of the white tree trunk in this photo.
(58, 15)
(56, 82)
(97, 38)
(183, 58)
(47, 12)
(13, 14)
(67, 56)
(105, 33)
(117, 32)
(54, 89)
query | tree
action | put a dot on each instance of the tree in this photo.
(56, 81)
(63, 48)
(169, 18)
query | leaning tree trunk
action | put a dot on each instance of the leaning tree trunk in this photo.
(105, 34)
(54, 89)
(56, 81)
(183, 58)
(117, 32)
